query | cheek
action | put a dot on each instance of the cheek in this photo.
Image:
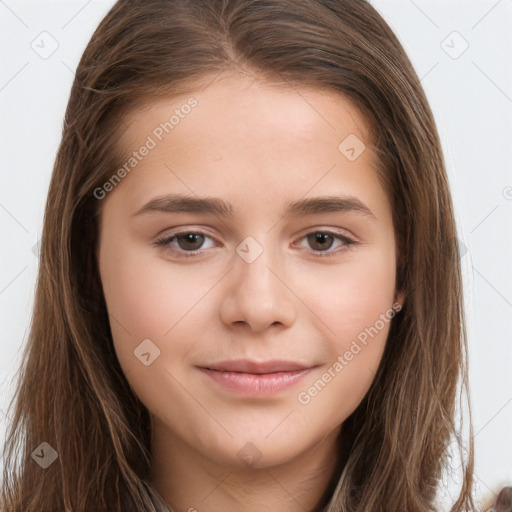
(359, 324)
(352, 296)
(352, 306)
(148, 299)
(360, 303)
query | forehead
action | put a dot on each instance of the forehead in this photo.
(244, 107)
(238, 136)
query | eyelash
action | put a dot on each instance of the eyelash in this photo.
(167, 239)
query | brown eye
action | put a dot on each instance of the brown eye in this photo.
(320, 241)
(326, 243)
(186, 243)
(190, 241)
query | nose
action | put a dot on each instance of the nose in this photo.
(257, 296)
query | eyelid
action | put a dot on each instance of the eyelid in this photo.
(185, 230)
(348, 242)
(336, 231)
(164, 240)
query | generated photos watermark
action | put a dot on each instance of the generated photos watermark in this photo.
(342, 361)
(152, 141)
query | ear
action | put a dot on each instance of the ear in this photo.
(400, 298)
(400, 283)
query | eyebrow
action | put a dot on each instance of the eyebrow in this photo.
(218, 207)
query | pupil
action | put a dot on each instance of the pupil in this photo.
(195, 239)
(321, 239)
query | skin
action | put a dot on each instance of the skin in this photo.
(259, 148)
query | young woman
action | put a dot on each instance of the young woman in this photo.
(249, 294)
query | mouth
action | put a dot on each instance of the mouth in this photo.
(253, 378)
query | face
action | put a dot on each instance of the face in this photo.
(248, 261)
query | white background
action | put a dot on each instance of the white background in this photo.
(471, 96)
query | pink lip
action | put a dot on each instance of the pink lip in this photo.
(256, 379)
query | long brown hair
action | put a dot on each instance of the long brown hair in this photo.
(72, 393)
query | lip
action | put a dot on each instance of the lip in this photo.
(251, 378)
(255, 367)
